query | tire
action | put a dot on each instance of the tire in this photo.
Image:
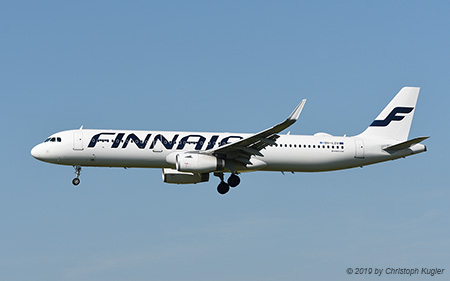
(234, 181)
(76, 181)
(223, 188)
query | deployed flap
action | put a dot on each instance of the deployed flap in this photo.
(253, 144)
(406, 144)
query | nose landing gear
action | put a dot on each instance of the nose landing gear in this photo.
(76, 181)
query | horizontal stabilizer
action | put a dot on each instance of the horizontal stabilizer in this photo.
(405, 144)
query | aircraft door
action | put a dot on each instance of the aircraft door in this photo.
(359, 148)
(78, 140)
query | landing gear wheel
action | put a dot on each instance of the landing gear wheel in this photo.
(223, 188)
(233, 180)
(76, 181)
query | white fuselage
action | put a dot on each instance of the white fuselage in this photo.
(155, 149)
(190, 157)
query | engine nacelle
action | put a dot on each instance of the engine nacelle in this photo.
(174, 176)
(200, 163)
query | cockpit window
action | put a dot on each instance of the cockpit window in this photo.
(54, 139)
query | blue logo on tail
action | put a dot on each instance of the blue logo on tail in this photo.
(392, 116)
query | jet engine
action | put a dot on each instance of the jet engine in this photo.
(200, 163)
(174, 176)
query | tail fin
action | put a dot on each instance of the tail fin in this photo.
(395, 120)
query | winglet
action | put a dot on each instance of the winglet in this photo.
(267, 136)
(296, 113)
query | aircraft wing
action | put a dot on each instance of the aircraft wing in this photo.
(242, 150)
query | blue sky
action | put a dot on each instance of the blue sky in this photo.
(221, 66)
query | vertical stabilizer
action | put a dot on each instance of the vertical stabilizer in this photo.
(395, 120)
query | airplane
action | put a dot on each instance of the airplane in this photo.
(190, 157)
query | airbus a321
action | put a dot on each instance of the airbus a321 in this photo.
(190, 157)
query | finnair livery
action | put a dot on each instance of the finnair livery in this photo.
(190, 157)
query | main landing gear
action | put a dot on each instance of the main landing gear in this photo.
(76, 181)
(223, 186)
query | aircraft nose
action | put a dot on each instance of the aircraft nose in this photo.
(37, 152)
